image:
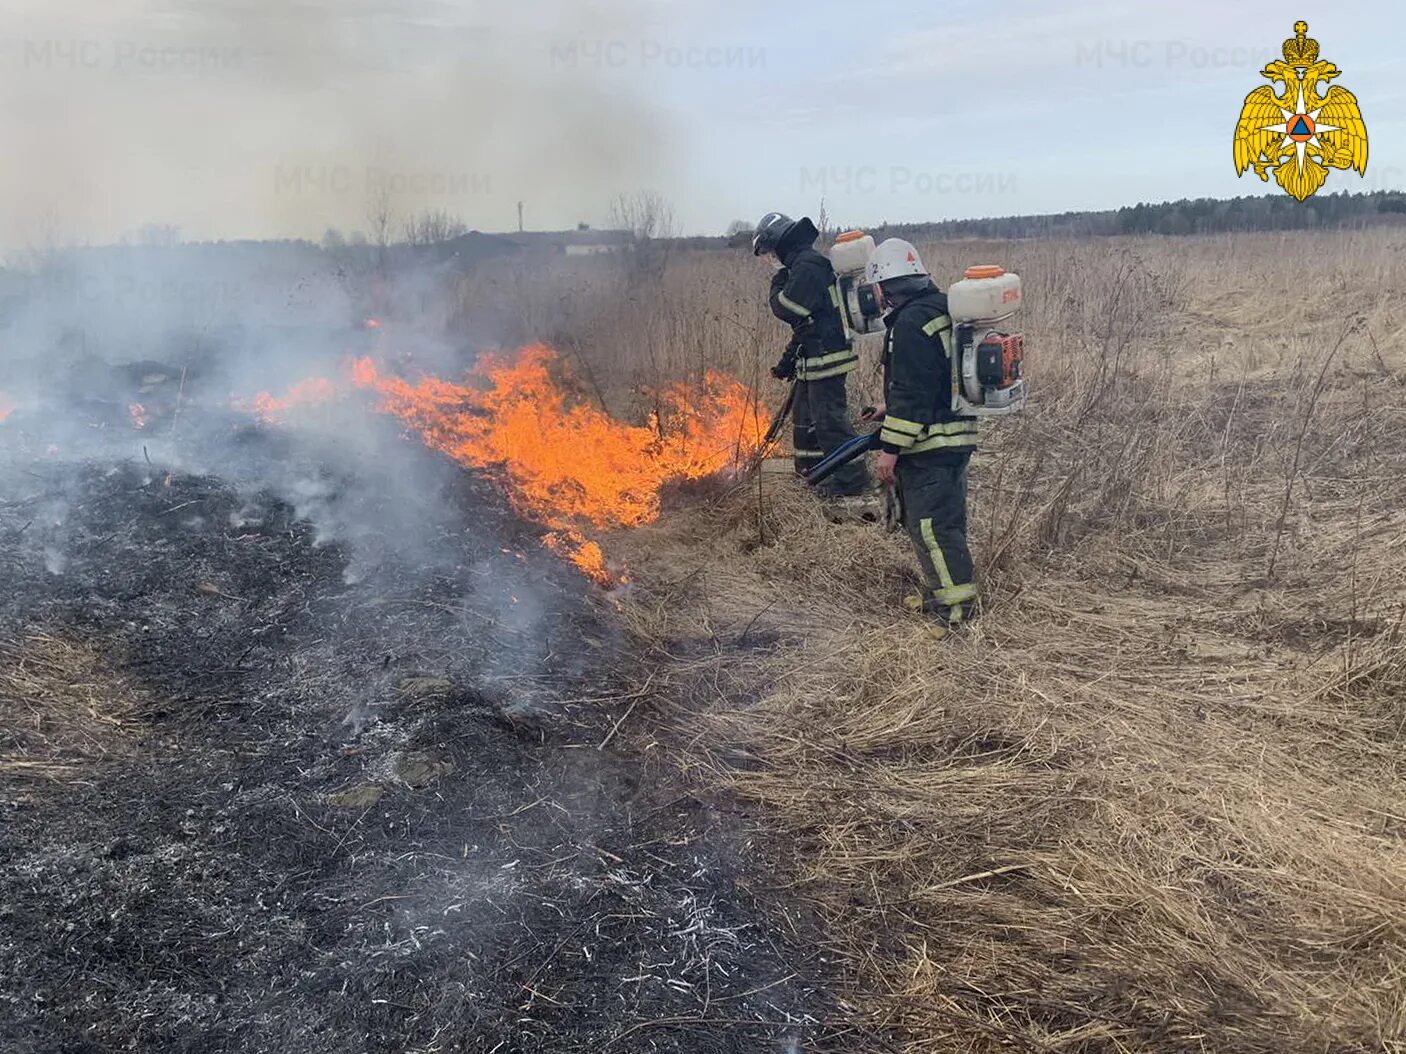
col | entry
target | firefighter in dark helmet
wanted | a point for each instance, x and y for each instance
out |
(925, 447)
(819, 356)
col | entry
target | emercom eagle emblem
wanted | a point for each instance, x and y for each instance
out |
(1300, 133)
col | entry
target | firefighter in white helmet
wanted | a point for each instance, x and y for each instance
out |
(925, 446)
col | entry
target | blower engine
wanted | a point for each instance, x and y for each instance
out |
(859, 301)
(987, 376)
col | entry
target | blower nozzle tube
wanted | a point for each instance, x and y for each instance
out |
(841, 456)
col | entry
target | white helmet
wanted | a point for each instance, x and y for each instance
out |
(894, 258)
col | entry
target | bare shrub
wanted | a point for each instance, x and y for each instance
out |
(433, 226)
(649, 220)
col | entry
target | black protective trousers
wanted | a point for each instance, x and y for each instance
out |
(821, 423)
(933, 490)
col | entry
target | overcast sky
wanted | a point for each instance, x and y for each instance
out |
(265, 118)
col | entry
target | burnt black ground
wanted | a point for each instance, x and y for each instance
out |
(229, 880)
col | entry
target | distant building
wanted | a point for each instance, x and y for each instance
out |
(473, 247)
(572, 243)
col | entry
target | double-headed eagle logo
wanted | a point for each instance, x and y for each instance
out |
(1299, 134)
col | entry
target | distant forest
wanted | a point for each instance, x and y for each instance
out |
(1272, 212)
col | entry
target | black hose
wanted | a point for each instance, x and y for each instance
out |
(774, 432)
(842, 455)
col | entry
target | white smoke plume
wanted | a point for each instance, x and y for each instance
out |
(142, 132)
(277, 118)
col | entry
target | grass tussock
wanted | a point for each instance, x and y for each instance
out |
(61, 708)
(1154, 800)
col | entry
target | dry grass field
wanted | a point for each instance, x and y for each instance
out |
(424, 787)
(1156, 799)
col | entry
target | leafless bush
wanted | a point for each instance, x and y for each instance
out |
(380, 220)
(649, 220)
(433, 226)
(645, 215)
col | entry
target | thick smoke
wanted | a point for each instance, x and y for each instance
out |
(146, 120)
(271, 118)
(149, 356)
(144, 362)
(147, 123)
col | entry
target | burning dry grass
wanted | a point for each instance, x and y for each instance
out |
(61, 708)
(565, 463)
(572, 466)
(1155, 801)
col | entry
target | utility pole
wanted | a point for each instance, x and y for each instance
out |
(519, 217)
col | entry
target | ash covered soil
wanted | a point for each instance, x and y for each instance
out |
(266, 791)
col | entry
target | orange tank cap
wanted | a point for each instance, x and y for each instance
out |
(849, 236)
(984, 271)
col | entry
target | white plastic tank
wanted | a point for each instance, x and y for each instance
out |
(851, 251)
(984, 294)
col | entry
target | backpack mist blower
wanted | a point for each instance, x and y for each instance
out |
(987, 374)
(986, 363)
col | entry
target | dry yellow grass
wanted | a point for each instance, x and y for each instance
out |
(62, 709)
(1155, 800)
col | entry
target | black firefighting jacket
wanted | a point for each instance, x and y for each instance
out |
(918, 381)
(805, 295)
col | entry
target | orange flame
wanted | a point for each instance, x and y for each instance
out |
(570, 467)
(138, 414)
(269, 408)
(6, 407)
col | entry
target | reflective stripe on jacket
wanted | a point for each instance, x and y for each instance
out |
(918, 381)
(805, 295)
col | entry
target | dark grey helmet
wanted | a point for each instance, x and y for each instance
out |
(771, 228)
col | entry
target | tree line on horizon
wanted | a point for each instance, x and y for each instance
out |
(648, 220)
(1271, 212)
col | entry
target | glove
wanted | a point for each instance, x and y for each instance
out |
(785, 367)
